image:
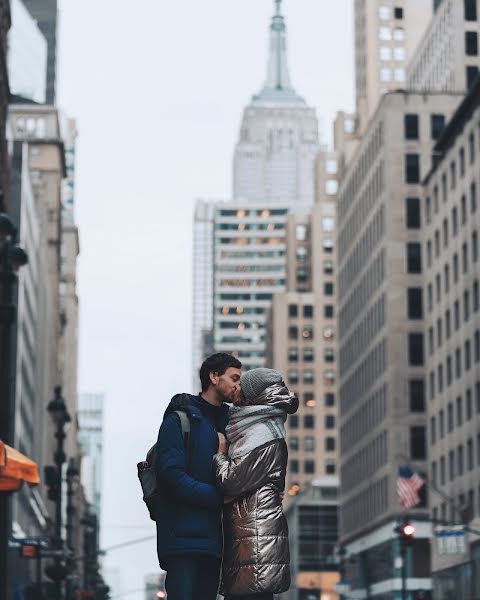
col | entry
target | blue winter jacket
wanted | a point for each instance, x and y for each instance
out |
(188, 509)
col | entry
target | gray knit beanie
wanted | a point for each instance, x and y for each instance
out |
(255, 381)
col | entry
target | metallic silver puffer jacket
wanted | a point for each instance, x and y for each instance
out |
(256, 552)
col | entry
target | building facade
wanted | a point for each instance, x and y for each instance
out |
(451, 227)
(386, 35)
(275, 155)
(5, 22)
(27, 55)
(447, 57)
(382, 371)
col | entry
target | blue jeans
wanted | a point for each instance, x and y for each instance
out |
(192, 577)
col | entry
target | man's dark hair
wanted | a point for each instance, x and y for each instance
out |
(217, 363)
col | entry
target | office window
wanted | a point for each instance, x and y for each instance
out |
(445, 232)
(471, 43)
(462, 162)
(309, 444)
(465, 257)
(293, 421)
(449, 370)
(329, 355)
(398, 12)
(441, 424)
(453, 175)
(471, 75)
(459, 407)
(455, 267)
(399, 34)
(433, 431)
(308, 355)
(328, 246)
(309, 466)
(415, 303)
(470, 10)
(471, 148)
(466, 305)
(292, 376)
(308, 311)
(307, 333)
(293, 354)
(385, 75)
(385, 53)
(329, 422)
(308, 421)
(413, 213)
(476, 296)
(446, 275)
(309, 399)
(330, 444)
(454, 221)
(328, 311)
(292, 310)
(328, 333)
(442, 471)
(329, 399)
(329, 377)
(415, 349)
(308, 376)
(411, 127)
(399, 53)
(428, 209)
(437, 123)
(417, 395)
(451, 465)
(418, 450)
(460, 460)
(458, 363)
(328, 289)
(470, 454)
(414, 257)
(448, 324)
(412, 168)
(456, 314)
(328, 267)
(468, 404)
(463, 205)
(293, 443)
(473, 198)
(429, 253)
(330, 467)
(292, 332)
(384, 13)
(293, 465)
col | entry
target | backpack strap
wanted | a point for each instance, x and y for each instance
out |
(185, 424)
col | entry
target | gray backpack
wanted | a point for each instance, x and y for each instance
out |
(146, 468)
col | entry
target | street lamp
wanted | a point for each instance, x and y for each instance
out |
(53, 476)
(12, 257)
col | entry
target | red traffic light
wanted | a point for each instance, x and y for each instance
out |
(408, 530)
(29, 551)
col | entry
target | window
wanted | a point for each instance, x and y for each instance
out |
(328, 246)
(471, 147)
(329, 399)
(454, 221)
(309, 399)
(399, 75)
(328, 224)
(302, 254)
(330, 467)
(411, 127)
(471, 43)
(308, 421)
(308, 376)
(468, 404)
(308, 355)
(399, 53)
(292, 332)
(453, 175)
(437, 123)
(292, 310)
(328, 333)
(455, 267)
(293, 355)
(307, 333)
(329, 422)
(471, 75)
(456, 314)
(292, 376)
(309, 466)
(415, 303)
(451, 465)
(433, 431)
(385, 34)
(465, 257)
(293, 443)
(330, 444)
(398, 12)
(385, 53)
(328, 267)
(415, 349)
(413, 213)
(470, 10)
(412, 168)
(460, 461)
(301, 233)
(328, 311)
(428, 210)
(385, 75)
(448, 324)
(329, 355)
(462, 162)
(329, 377)
(414, 257)
(459, 411)
(418, 450)
(328, 289)
(293, 421)
(309, 444)
(398, 34)
(441, 424)
(445, 233)
(429, 253)
(384, 13)
(473, 198)
(464, 210)
(417, 395)
(308, 311)
(293, 466)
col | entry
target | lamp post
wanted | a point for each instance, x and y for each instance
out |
(53, 475)
(12, 257)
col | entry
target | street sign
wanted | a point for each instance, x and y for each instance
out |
(450, 540)
(38, 541)
(342, 588)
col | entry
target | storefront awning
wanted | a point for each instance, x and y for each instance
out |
(15, 468)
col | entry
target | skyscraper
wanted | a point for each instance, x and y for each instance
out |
(275, 155)
(45, 12)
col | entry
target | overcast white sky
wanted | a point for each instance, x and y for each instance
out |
(158, 88)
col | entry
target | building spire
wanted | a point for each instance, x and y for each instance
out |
(278, 86)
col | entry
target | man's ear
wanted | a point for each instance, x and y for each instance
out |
(213, 377)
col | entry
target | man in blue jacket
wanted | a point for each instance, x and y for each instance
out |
(189, 507)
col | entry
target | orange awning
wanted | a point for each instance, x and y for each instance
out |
(15, 468)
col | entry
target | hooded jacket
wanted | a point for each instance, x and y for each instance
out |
(188, 508)
(256, 556)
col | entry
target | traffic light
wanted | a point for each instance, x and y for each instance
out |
(52, 483)
(406, 532)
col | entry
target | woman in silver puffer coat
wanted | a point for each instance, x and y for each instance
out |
(256, 561)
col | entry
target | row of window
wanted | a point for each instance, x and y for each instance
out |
(308, 355)
(458, 461)
(310, 401)
(306, 332)
(459, 412)
(453, 366)
(412, 126)
(308, 376)
(309, 421)
(309, 467)
(454, 213)
(309, 444)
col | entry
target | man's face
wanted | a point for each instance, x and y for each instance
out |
(226, 384)
(238, 397)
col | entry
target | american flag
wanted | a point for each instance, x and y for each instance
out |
(409, 484)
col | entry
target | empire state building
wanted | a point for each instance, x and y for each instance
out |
(275, 155)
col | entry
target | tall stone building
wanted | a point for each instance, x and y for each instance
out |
(447, 58)
(45, 12)
(386, 35)
(450, 228)
(5, 23)
(275, 155)
(382, 357)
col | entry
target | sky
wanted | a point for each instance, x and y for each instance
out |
(158, 90)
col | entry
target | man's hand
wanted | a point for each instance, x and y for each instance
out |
(222, 444)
